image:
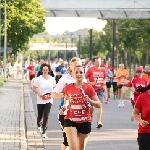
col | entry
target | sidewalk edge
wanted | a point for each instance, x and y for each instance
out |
(23, 144)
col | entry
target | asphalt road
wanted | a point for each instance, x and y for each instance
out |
(118, 132)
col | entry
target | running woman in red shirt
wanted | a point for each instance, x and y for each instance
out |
(141, 114)
(135, 82)
(32, 73)
(80, 96)
(96, 77)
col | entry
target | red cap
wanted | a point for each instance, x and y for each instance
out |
(138, 69)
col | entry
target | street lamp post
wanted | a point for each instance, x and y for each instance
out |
(113, 40)
(79, 44)
(91, 46)
(5, 40)
(49, 56)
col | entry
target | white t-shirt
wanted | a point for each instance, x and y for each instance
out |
(44, 86)
(54, 66)
(64, 80)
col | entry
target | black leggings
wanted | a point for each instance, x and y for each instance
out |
(114, 86)
(61, 122)
(43, 114)
(144, 141)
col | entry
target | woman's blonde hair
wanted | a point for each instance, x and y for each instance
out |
(74, 59)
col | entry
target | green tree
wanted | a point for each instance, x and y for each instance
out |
(24, 19)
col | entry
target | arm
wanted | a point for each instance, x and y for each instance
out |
(58, 90)
(63, 108)
(111, 74)
(129, 85)
(118, 75)
(91, 83)
(57, 95)
(35, 89)
(137, 117)
(94, 101)
(130, 88)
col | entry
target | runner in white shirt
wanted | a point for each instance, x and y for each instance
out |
(54, 65)
(43, 87)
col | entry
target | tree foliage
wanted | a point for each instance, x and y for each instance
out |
(131, 42)
(24, 19)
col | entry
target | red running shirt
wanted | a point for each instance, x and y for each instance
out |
(96, 75)
(143, 105)
(135, 82)
(78, 109)
(31, 70)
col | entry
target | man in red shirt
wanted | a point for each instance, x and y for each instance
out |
(135, 82)
(96, 77)
(141, 114)
(32, 73)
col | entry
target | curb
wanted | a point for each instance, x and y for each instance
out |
(23, 144)
(33, 136)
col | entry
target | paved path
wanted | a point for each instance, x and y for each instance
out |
(118, 132)
(12, 133)
(18, 129)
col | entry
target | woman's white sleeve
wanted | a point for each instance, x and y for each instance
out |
(59, 86)
(35, 83)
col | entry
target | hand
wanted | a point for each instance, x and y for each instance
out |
(86, 98)
(143, 123)
(61, 112)
(135, 91)
(120, 76)
(138, 89)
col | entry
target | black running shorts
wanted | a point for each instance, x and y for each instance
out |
(144, 141)
(83, 128)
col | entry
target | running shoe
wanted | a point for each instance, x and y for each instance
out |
(119, 103)
(44, 136)
(40, 129)
(99, 125)
(116, 97)
(106, 102)
(122, 104)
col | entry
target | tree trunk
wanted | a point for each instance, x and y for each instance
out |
(125, 59)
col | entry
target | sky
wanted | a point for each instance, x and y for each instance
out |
(58, 25)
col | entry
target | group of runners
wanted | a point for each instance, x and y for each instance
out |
(81, 88)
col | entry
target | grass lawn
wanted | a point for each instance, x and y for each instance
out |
(1, 81)
(127, 91)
